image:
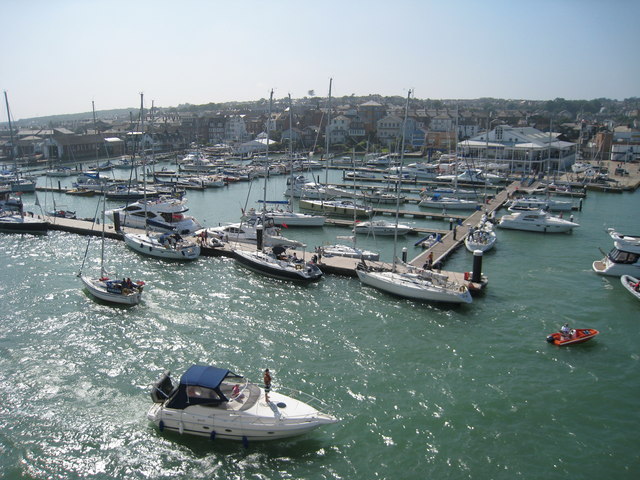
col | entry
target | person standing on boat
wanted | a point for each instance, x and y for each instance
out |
(267, 385)
(565, 330)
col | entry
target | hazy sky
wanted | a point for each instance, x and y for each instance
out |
(59, 55)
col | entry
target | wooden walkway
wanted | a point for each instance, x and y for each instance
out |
(455, 238)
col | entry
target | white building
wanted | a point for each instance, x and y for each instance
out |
(521, 149)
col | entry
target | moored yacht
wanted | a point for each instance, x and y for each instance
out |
(536, 221)
(164, 214)
(623, 259)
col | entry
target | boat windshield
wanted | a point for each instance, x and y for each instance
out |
(620, 256)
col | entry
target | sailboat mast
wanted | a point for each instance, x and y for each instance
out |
(6, 101)
(266, 161)
(404, 130)
(292, 180)
(144, 167)
(326, 135)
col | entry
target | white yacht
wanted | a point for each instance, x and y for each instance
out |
(448, 203)
(418, 170)
(168, 246)
(336, 207)
(114, 291)
(216, 403)
(163, 214)
(532, 203)
(623, 259)
(481, 237)
(247, 231)
(348, 251)
(286, 217)
(381, 227)
(536, 221)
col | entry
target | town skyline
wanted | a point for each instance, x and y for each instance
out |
(64, 55)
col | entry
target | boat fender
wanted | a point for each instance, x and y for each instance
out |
(245, 441)
(213, 435)
(181, 427)
(161, 425)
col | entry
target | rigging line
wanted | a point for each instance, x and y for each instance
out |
(86, 251)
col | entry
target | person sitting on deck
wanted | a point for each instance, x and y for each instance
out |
(636, 287)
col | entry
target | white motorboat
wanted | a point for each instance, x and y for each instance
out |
(631, 284)
(580, 167)
(248, 232)
(449, 192)
(536, 221)
(471, 175)
(381, 227)
(349, 251)
(278, 264)
(415, 284)
(114, 291)
(299, 187)
(217, 403)
(59, 172)
(481, 237)
(532, 203)
(168, 246)
(448, 203)
(418, 170)
(336, 207)
(163, 214)
(623, 259)
(287, 217)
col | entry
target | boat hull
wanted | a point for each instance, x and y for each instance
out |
(628, 283)
(232, 425)
(18, 224)
(274, 269)
(579, 335)
(98, 289)
(394, 284)
(150, 247)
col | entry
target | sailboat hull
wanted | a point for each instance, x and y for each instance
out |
(410, 286)
(151, 247)
(100, 290)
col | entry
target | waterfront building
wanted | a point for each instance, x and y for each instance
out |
(520, 149)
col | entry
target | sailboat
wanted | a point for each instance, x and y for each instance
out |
(123, 292)
(412, 282)
(276, 263)
(287, 217)
(324, 202)
(168, 245)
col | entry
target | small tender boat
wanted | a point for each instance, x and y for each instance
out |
(576, 335)
(632, 284)
(217, 403)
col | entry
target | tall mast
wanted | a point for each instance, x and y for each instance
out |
(95, 127)
(291, 152)
(144, 167)
(326, 134)
(6, 101)
(404, 129)
(266, 161)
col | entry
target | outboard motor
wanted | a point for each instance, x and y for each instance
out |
(550, 339)
(162, 389)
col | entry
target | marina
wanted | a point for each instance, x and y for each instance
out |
(465, 399)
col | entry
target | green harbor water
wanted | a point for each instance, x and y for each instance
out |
(422, 391)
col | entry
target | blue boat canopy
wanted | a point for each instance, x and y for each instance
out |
(204, 376)
(200, 384)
